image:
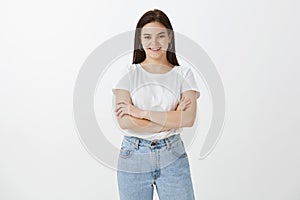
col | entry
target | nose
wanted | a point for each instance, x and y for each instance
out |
(154, 41)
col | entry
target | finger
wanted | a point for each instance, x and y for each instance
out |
(187, 99)
(184, 102)
(119, 112)
(123, 114)
(119, 107)
(188, 103)
(121, 102)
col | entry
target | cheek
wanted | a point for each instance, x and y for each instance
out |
(164, 42)
(145, 43)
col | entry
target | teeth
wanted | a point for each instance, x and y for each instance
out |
(155, 49)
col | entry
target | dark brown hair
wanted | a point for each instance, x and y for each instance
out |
(155, 15)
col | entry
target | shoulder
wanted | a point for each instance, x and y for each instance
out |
(184, 70)
(129, 70)
(132, 67)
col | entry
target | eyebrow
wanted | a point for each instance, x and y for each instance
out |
(150, 34)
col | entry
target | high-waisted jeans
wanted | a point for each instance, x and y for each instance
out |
(143, 163)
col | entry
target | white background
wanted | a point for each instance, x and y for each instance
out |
(254, 45)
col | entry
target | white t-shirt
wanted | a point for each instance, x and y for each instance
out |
(157, 92)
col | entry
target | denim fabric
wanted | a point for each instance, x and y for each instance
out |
(164, 163)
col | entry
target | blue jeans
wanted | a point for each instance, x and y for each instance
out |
(164, 163)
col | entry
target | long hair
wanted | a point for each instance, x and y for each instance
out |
(155, 15)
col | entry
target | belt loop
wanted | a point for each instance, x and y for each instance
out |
(136, 145)
(168, 144)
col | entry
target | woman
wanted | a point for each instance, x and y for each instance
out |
(154, 100)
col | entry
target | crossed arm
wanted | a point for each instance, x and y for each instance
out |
(133, 118)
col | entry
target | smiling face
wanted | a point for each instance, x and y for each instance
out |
(155, 41)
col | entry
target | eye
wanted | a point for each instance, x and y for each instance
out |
(147, 37)
(162, 36)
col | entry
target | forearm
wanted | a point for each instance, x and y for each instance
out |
(166, 119)
(171, 119)
(140, 125)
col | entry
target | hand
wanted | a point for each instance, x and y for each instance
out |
(183, 104)
(125, 108)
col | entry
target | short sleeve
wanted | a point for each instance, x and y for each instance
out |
(189, 83)
(123, 83)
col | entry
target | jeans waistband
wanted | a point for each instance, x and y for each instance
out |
(154, 143)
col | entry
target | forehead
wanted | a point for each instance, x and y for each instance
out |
(154, 28)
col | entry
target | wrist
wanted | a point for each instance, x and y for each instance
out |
(146, 114)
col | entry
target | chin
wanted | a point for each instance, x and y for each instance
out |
(158, 56)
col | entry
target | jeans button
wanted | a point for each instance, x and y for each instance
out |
(153, 143)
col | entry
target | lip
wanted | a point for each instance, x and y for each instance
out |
(158, 49)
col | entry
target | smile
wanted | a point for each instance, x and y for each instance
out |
(154, 49)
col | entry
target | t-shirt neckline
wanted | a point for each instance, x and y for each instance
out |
(155, 74)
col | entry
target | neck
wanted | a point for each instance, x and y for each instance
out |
(157, 62)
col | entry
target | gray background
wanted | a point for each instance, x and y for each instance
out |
(253, 44)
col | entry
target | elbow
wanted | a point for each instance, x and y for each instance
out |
(122, 126)
(188, 119)
(122, 123)
(190, 123)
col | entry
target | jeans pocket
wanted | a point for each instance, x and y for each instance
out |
(178, 150)
(127, 149)
(125, 152)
